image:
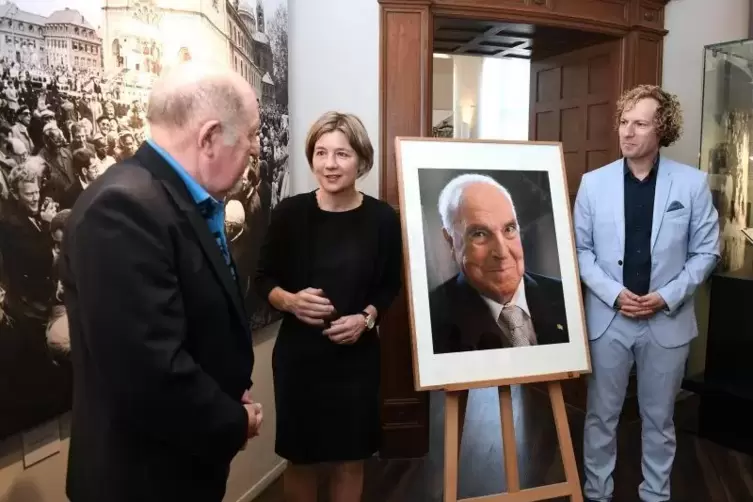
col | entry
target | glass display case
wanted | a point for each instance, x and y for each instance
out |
(726, 148)
(726, 406)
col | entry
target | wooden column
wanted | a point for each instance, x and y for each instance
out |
(405, 110)
(643, 44)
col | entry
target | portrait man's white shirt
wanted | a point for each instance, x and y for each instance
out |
(518, 299)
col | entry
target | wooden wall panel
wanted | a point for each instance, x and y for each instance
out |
(616, 11)
(402, 54)
(573, 99)
(648, 59)
(405, 104)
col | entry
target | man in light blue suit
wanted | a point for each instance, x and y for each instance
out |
(647, 235)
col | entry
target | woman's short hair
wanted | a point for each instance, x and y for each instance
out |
(353, 129)
(668, 114)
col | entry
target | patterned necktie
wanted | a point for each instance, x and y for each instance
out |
(520, 329)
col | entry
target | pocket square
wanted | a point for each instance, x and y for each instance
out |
(675, 205)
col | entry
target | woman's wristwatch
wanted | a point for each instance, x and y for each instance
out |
(369, 320)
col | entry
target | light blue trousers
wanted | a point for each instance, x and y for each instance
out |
(660, 371)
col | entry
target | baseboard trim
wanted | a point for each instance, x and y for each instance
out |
(264, 482)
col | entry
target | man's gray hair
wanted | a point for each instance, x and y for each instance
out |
(192, 93)
(451, 197)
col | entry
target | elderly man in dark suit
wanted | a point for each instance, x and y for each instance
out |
(160, 343)
(493, 302)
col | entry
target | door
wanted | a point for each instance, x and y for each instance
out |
(573, 98)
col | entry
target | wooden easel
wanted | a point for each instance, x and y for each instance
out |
(570, 487)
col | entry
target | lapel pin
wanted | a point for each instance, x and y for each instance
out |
(559, 327)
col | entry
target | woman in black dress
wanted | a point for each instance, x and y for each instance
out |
(331, 262)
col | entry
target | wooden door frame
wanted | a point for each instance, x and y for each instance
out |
(405, 81)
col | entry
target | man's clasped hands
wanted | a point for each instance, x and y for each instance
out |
(639, 307)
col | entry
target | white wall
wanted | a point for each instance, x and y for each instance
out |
(442, 89)
(334, 65)
(692, 24)
(466, 87)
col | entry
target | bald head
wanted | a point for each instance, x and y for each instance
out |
(207, 119)
(190, 94)
(481, 229)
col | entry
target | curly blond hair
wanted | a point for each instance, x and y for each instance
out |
(668, 118)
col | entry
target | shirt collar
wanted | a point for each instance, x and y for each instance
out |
(198, 193)
(654, 169)
(518, 299)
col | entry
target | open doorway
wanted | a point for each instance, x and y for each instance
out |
(512, 81)
(515, 81)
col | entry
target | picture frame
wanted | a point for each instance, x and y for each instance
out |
(472, 251)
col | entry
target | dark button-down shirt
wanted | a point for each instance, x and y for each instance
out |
(639, 215)
(210, 208)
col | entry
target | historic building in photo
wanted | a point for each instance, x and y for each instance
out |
(241, 29)
(63, 39)
(141, 37)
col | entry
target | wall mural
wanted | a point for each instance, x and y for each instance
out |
(77, 77)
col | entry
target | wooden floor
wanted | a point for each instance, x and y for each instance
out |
(703, 472)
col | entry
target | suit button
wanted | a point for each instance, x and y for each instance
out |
(619, 262)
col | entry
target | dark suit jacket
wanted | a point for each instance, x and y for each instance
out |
(460, 319)
(26, 249)
(70, 195)
(160, 344)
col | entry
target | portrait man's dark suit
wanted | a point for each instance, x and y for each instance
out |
(461, 320)
(160, 343)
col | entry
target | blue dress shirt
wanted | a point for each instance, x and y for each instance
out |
(210, 208)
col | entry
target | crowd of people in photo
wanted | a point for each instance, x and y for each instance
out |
(60, 129)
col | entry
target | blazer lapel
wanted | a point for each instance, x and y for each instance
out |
(661, 196)
(177, 190)
(215, 257)
(617, 200)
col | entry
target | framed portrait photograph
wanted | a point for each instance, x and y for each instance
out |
(491, 268)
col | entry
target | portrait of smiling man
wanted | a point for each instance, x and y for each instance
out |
(493, 301)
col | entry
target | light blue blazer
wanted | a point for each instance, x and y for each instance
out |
(684, 246)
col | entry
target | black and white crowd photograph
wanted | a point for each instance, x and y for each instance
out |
(75, 77)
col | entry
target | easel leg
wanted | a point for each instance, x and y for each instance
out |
(509, 446)
(462, 408)
(451, 445)
(565, 440)
(455, 407)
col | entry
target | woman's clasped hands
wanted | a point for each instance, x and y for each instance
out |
(312, 307)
